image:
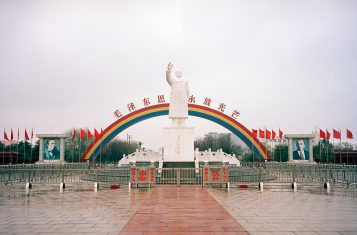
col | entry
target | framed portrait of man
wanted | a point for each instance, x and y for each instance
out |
(301, 148)
(51, 149)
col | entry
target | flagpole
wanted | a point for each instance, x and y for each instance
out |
(31, 146)
(320, 148)
(74, 145)
(79, 150)
(24, 150)
(280, 140)
(11, 151)
(266, 146)
(85, 144)
(3, 153)
(280, 150)
(253, 149)
(3, 150)
(327, 148)
(340, 147)
(252, 145)
(347, 149)
(347, 146)
(17, 146)
(271, 143)
(100, 147)
(333, 148)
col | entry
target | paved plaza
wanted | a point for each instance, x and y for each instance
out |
(173, 210)
(286, 212)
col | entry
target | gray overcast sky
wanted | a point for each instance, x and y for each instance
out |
(288, 64)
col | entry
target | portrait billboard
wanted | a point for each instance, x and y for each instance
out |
(51, 149)
(301, 148)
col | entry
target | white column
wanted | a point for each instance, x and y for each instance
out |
(41, 150)
(62, 150)
(290, 150)
(311, 156)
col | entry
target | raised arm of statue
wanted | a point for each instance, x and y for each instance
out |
(168, 73)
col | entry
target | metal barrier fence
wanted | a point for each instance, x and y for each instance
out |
(179, 176)
(60, 175)
(248, 173)
(299, 173)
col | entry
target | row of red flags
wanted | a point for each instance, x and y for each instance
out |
(323, 134)
(18, 135)
(82, 133)
(267, 134)
(336, 134)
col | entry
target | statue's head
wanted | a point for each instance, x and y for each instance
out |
(178, 73)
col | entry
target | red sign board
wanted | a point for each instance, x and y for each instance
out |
(205, 174)
(133, 175)
(152, 175)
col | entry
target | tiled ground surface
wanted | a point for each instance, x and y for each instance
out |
(286, 212)
(47, 211)
(182, 210)
(80, 210)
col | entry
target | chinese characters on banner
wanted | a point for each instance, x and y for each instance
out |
(215, 175)
(205, 175)
(133, 175)
(152, 175)
(191, 99)
(225, 174)
(142, 175)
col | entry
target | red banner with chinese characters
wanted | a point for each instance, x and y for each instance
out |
(152, 175)
(143, 176)
(205, 175)
(133, 175)
(215, 175)
(225, 174)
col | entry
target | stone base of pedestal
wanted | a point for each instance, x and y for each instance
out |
(178, 144)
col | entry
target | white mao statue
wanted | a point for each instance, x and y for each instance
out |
(178, 111)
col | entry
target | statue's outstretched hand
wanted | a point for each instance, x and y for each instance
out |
(169, 66)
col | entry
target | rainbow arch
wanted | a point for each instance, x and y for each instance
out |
(163, 109)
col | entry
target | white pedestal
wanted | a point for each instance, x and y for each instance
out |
(178, 144)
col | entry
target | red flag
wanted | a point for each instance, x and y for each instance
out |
(96, 134)
(89, 134)
(26, 135)
(261, 134)
(32, 133)
(349, 134)
(74, 134)
(280, 134)
(273, 134)
(101, 132)
(267, 134)
(328, 135)
(5, 136)
(82, 134)
(336, 134)
(12, 135)
(255, 133)
(322, 134)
